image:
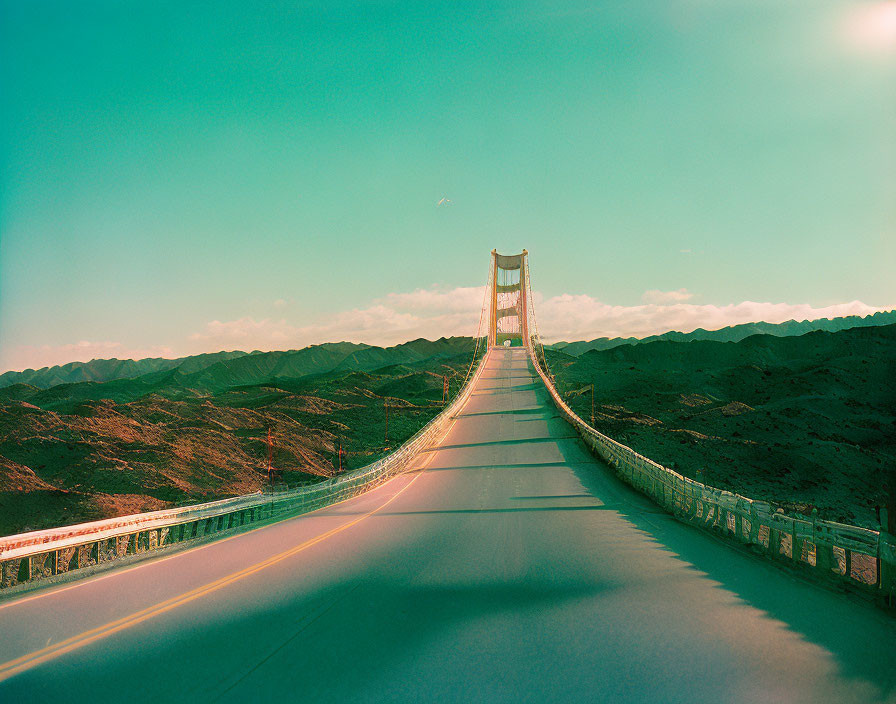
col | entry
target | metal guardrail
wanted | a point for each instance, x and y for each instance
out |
(26, 543)
(830, 551)
(41, 554)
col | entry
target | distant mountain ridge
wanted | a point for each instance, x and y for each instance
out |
(102, 370)
(733, 333)
(224, 369)
(107, 369)
(212, 373)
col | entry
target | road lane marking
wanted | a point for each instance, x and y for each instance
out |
(117, 572)
(181, 553)
(26, 662)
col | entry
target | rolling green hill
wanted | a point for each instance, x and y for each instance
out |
(81, 451)
(806, 421)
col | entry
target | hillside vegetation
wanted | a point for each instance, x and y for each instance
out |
(805, 421)
(197, 431)
(802, 420)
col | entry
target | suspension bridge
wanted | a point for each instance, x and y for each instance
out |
(509, 554)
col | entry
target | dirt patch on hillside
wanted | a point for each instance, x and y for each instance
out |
(66, 459)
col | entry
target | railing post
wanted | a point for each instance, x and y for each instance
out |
(886, 558)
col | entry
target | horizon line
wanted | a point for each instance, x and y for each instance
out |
(426, 339)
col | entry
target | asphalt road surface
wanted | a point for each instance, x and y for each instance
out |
(511, 567)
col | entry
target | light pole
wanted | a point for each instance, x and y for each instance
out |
(271, 469)
(579, 392)
(592, 404)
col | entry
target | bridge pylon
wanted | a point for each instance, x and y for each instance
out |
(508, 307)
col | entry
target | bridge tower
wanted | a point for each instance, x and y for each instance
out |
(508, 319)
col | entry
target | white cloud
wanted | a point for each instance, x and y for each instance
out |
(438, 300)
(244, 331)
(657, 296)
(279, 303)
(437, 312)
(397, 317)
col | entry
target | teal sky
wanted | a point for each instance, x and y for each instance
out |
(169, 164)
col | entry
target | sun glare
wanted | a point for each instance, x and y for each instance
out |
(872, 26)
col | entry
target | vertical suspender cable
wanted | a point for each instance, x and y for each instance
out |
(534, 325)
(485, 300)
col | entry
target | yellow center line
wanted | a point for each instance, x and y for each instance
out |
(188, 550)
(149, 561)
(25, 662)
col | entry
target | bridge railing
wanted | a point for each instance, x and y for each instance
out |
(47, 553)
(831, 551)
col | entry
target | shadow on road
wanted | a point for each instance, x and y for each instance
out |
(849, 630)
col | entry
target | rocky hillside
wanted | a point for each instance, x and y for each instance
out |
(81, 451)
(807, 421)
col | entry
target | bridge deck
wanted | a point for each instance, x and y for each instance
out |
(513, 568)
